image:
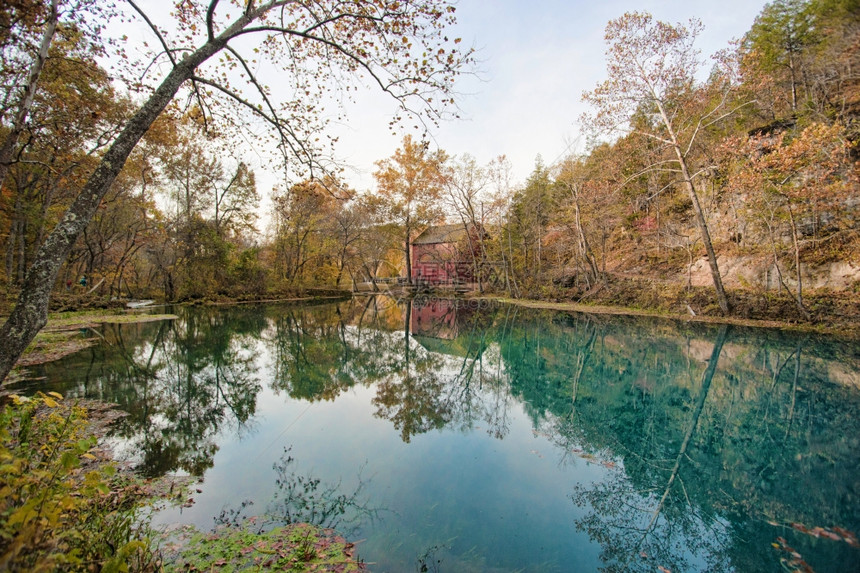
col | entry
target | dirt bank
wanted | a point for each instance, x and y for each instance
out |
(843, 320)
(67, 333)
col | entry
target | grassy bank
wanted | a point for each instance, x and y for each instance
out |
(74, 328)
(836, 313)
(70, 332)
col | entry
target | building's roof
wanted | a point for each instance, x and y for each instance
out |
(440, 234)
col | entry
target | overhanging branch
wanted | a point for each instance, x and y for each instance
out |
(288, 137)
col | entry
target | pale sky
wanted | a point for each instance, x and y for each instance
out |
(537, 57)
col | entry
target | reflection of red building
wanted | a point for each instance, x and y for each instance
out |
(434, 317)
(445, 254)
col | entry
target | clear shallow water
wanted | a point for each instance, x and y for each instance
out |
(496, 438)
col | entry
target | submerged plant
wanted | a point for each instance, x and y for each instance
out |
(297, 547)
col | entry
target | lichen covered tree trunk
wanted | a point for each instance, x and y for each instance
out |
(31, 310)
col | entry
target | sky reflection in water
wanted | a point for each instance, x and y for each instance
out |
(497, 438)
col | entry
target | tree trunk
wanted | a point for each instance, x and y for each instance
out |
(798, 300)
(706, 239)
(26, 102)
(407, 244)
(791, 69)
(22, 249)
(583, 240)
(31, 311)
(697, 208)
(16, 221)
(799, 296)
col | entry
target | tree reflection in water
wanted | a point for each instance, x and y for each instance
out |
(182, 382)
(208, 381)
(712, 443)
(422, 382)
(631, 525)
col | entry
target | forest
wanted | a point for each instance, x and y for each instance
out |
(726, 187)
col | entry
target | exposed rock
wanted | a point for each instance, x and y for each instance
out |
(758, 271)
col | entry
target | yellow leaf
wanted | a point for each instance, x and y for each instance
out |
(88, 456)
(56, 395)
(50, 403)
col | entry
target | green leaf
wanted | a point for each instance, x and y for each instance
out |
(69, 460)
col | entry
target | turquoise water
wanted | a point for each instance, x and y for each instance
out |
(458, 436)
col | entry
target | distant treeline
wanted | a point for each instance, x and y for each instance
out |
(684, 178)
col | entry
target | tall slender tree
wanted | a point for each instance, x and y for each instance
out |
(652, 69)
(28, 91)
(775, 46)
(411, 181)
(467, 194)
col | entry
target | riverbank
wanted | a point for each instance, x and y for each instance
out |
(829, 312)
(72, 326)
(848, 329)
(70, 332)
(836, 314)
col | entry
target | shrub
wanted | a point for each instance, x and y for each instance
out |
(61, 508)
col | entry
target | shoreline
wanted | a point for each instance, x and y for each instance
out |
(849, 334)
(54, 341)
(57, 339)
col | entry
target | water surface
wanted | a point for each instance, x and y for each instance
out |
(476, 437)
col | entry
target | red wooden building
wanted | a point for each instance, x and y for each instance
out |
(445, 254)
